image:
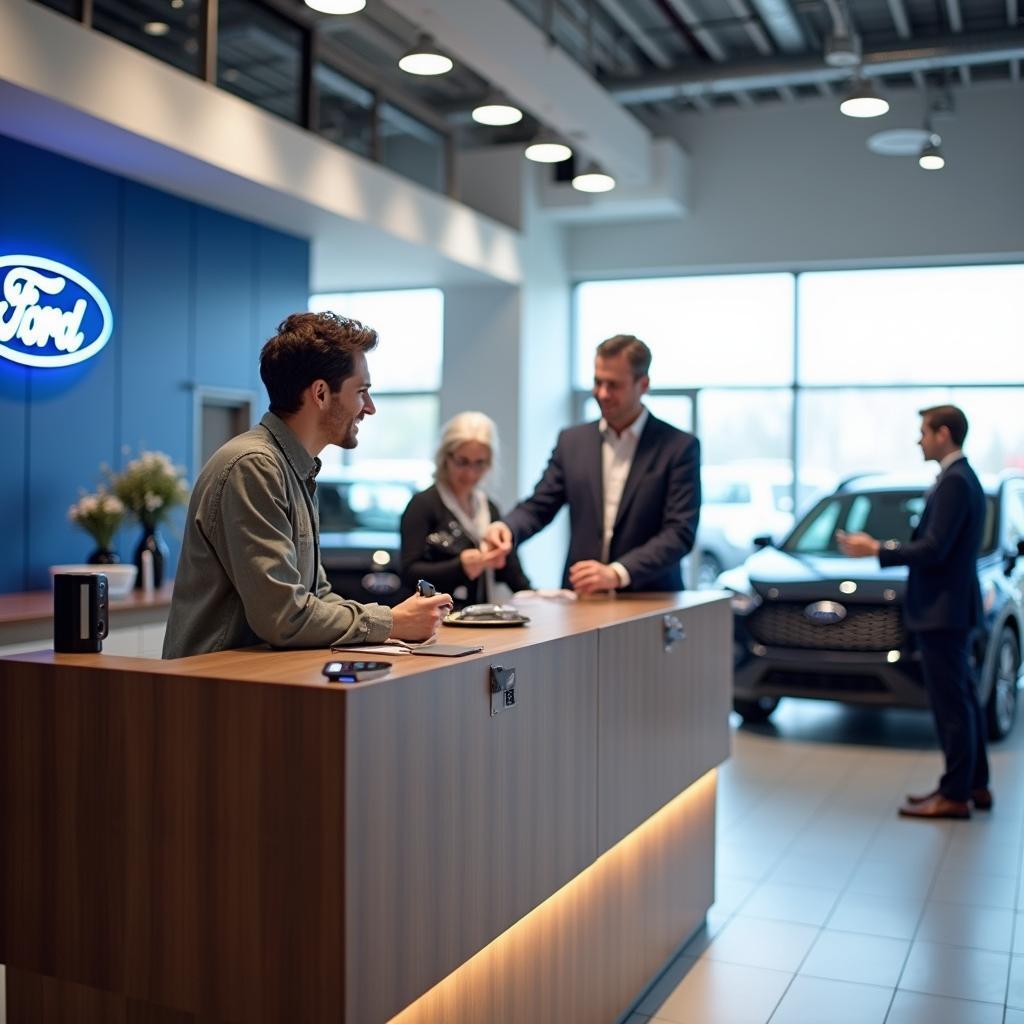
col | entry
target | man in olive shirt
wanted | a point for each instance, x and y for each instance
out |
(250, 569)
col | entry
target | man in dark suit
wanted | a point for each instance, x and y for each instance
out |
(631, 481)
(943, 607)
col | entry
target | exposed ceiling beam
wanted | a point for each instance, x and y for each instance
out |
(898, 13)
(956, 23)
(578, 22)
(617, 11)
(1012, 15)
(949, 52)
(752, 26)
(685, 12)
(956, 18)
(782, 24)
(899, 18)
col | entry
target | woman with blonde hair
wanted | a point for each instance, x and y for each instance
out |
(442, 526)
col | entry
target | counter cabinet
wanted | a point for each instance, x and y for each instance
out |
(231, 838)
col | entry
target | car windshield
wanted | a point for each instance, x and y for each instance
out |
(884, 514)
(359, 505)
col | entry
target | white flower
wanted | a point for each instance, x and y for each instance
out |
(153, 501)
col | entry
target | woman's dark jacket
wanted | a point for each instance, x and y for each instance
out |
(431, 541)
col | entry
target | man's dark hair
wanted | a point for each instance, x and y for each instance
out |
(947, 416)
(638, 354)
(309, 347)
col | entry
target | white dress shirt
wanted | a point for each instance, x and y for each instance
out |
(617, 451)
(953, 456)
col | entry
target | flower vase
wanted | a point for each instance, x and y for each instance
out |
(103, 556)
(153, 543)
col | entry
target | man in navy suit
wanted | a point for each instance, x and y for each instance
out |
(631, 481)
(943, 607)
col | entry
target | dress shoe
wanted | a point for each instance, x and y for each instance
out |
(936, 806)
(981, 798)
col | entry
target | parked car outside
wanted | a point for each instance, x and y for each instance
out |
(810, 622)
(741, 501)
(361, 509)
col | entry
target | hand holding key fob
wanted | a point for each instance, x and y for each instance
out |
(426, 589)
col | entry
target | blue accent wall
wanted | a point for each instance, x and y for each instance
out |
(194, 293)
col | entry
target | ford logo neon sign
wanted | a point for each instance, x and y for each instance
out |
(50, 314)
(825, 613)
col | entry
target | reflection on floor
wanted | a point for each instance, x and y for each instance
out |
(831, 910)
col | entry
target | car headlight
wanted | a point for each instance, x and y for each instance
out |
(742, 596)
(743, 604)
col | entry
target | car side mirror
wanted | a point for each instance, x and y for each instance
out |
(763, 541)
(1010, 558)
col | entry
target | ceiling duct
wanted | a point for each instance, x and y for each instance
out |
(949, 52)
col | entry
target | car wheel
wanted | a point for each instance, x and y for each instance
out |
(1001, 708)
(708, 571)
(758, 710)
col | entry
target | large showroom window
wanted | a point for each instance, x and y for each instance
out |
(821, 371)
(394, 458)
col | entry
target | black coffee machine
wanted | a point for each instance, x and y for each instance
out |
(80, 612)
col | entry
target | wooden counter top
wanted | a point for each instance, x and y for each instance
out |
(549, 620)
(36, 605)
(28, 618)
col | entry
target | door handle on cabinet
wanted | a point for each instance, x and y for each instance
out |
(673, 631)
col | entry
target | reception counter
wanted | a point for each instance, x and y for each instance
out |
(231, 838)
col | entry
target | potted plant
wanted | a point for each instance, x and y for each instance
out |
(149, 486)
(100, 515)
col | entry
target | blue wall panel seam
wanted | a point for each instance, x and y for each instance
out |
(118, 338)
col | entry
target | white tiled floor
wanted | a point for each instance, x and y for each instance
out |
(830, 909)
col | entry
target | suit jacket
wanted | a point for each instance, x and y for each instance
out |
(657, 517)
(942, 586)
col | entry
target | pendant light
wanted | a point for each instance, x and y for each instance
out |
(546, 149)
(863, 101)
(593, 179)
(497, 112)
(426, 58)
(336, 6)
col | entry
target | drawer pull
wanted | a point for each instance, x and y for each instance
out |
(674, 631)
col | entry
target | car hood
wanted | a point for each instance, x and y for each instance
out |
(799, 577)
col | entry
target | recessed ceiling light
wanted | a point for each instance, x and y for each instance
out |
(426, 58)
(177, 4)
(156, 28)
(497, 114)
(336, 6)
(547, 150)
(863, 101)
(593, 179)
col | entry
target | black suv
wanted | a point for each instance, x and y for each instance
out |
(810, 622)
(359, 538)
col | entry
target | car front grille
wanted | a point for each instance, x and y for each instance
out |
(827, 682)
(866, 628)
